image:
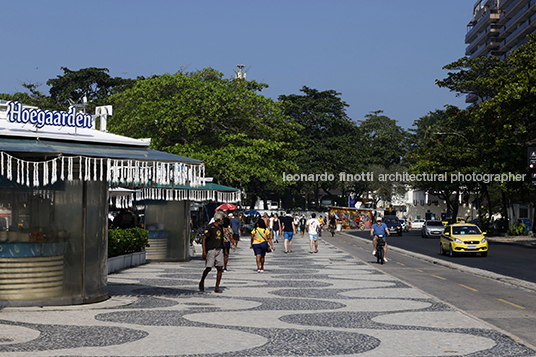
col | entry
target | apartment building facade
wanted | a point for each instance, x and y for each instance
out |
(498, 27)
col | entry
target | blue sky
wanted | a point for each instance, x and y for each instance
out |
(379, 54)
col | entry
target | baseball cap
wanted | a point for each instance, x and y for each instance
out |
(231, 215)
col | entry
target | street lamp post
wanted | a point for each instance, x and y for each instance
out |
(462, 136)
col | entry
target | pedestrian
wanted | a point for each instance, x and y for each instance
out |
(333, 224)
(303, 222)
(236, 226)
(289, 228)
(358, 222)
(313, 226)
(213, 251)
(266, 219)
(321, 221)
(227, 242)
(275, 228)
(260, 241)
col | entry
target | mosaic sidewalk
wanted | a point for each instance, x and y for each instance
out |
(324, 304)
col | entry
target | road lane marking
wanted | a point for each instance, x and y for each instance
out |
(400, 263)
(510, 303)
(422, 271)
(439, 277)
(467, 287)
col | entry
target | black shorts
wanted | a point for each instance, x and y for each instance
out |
(236, 237)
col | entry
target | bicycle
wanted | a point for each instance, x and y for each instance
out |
(332, 229)
(380, 243)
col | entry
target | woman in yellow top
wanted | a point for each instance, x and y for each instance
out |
(260, 238)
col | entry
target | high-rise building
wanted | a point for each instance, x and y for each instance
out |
(497, 27)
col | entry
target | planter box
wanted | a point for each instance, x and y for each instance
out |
(126, 261)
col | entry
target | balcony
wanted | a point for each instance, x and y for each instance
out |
(486, 48)
(511, 10)
(471, 98)
(511, 40)
(491, 32)
(490, 18)
(479, 38)
(520, 16)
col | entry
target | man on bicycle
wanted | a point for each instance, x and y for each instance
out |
(377, 229)
(332, 224)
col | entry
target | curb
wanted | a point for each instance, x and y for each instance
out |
(512, 239)
(475, 271)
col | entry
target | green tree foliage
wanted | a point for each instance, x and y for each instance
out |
(387, 145)
(498, 129)
(384, 190)
(474, 76)
(243, 137)
(439, 148)
(387, 142)
(330, 141)
(33, 97)
(93, 82)
(426, 128)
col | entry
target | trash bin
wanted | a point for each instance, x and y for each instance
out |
(339, 227)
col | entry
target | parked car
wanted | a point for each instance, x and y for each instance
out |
(463, 238)
(432, 229)
(393, 224)
(405, 225)
(417, 224)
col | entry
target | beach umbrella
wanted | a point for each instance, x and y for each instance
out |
(226, 207)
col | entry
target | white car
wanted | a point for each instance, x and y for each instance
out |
(432, 228)
(417, 224)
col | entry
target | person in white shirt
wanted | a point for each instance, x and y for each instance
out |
(313, 226)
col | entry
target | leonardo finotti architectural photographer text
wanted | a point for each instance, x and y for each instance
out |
(406, 177)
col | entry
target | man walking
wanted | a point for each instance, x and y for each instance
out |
(236, 226)
(312, 227)
(213, 251)
(288, 231)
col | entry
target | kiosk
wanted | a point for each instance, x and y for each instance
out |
(167, 213)
(55, 173)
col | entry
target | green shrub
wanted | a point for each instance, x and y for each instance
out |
(518, 229)
(126, 241)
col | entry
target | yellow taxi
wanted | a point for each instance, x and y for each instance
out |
(463, 238)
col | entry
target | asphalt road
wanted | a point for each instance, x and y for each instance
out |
(511, 259)
(510, 308)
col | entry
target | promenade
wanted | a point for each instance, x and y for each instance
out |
(324, 304)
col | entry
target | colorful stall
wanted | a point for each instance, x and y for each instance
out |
(352, 218)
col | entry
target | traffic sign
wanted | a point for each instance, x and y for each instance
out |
(531, 157)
